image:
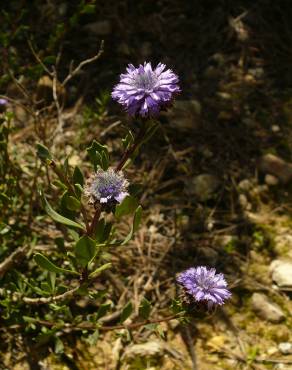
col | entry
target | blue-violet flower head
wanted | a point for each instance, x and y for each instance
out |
(3, 105)
(107, 186)
(145, 91)
(204, 285)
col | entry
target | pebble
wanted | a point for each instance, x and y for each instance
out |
(266, 309)
(285, 348)
(276, 166)
(203, 186)
(281, 271)
(271, 180)
(185, 114)
(147, 349)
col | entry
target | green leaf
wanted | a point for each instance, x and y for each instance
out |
(127, 310)
(50, 59)
(104, 160)
(137, 218)
(46, 264)
(85, 250)
(102, 310)
(128, 140)
(128, 206)
(152, 326)
(4, 229)
(99, 230)
(78, 176)
(60, 243)
(59, 346)
(93, 338)
(98, 155)
(52, 281)
(43, 153)
(99, 270)
(79, 190)
(66, 166)
(145, 309)
(4, 198)
(88, 9)
(59, 184)
(135, 225)
(153, 126)
(72, 203)
(57, 217)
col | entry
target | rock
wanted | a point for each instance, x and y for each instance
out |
(272, 350)
(285, 348)
(281, 271)
(203, 186)
(245, 185)
(283, 367)
(273, 165)
(266, 309)
(149, 349)
(224, 95)
(217, 342)
(271, 180)
(242, 200)
(100, 28)
(275, 128)
(185, 114)
(283, 243)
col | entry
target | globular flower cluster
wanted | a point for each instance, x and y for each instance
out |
(145, 91)
(107, 186)
(203, 285)
(3, 105)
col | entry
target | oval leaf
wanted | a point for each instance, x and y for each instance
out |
(127, 310)
(128, 206)
(46, 264)
(135, 225)
(85, 250)
(57, 217)
(144, 309)
(99, 270)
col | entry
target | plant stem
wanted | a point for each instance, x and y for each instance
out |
(92, 227)
(128, 152)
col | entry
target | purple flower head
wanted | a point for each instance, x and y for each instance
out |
(144, 91)
(203, 285)
(106, 187)
(3, 105)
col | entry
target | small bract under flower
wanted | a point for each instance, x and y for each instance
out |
(106, 187)
(144, 91)
(203, 284)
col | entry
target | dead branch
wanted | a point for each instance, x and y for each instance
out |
(13, 259)
(44, 300)
(83, 63)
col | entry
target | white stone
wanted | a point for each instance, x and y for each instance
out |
(271, 180)
(281, 271)
(285, 348)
